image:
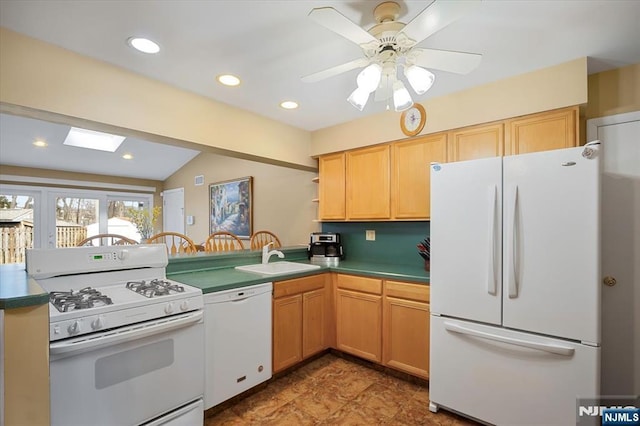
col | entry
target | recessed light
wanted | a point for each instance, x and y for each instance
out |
(40, 143)
(289, 104)
(228, 80)
(127, 157)
(143, 45)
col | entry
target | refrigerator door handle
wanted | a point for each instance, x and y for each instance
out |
(545, 347)
(492, 284)
(513, 280)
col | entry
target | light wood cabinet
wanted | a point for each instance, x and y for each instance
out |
(331, 189)
(406, 327)
(410, 192)
(471, 143)
(314, 322)
(359, 316)
(368, 183)
(24, 357)
(546, 131)
(300, 319)
(287, 331)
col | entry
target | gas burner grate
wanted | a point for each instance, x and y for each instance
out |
(153, 288)
(86, 298)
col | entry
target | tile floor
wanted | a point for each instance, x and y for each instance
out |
(332, 390)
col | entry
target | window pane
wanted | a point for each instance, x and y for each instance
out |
(16, 227)
(119, 217)
(76, 219)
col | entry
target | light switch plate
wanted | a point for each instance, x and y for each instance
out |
(370, 235)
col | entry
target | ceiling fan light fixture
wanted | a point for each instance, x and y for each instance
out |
(401, 97)
(419, 78)
(369, 78)
(358, 98)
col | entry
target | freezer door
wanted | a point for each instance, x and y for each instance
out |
(510, 378)
(465, 239)
(551, 244)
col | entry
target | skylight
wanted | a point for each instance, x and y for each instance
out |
(83, 138)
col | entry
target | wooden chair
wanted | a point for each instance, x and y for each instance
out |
(106, 240)
(261, 238)
(176, 242)
(223, 241)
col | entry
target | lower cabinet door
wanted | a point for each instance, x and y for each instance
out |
(406, 336)
(359, 324)
(287, 331)
(314, 322)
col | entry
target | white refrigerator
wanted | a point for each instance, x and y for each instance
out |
(515, 293)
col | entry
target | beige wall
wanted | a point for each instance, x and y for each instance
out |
(614, 92)
(281, 196)
(40, 77)
(29, 172)
(550, 88)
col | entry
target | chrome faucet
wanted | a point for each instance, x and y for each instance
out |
(266, 254)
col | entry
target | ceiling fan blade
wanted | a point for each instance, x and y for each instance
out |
(436, 16)
(331, 19)
(338, 69)
(446, 60)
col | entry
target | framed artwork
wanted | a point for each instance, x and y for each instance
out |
(231, 207)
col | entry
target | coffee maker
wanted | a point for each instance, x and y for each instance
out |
(325, 248)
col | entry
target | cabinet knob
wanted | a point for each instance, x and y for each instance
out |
(609, 281)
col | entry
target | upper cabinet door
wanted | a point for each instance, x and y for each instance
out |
(368, 183)
(332, 186)
(546, 131)
(472, 143)
(410, 179)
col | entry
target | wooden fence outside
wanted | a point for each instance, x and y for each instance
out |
(16, 239)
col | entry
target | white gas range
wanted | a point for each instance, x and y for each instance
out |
(120, 331)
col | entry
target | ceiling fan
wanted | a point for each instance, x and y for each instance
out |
(391, 44)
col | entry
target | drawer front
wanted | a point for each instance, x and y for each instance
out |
(365, 285)
(419, 292)
(298, 285)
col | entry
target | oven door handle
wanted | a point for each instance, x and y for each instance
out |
(126, 334)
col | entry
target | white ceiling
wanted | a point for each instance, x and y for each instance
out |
(151, 160)
(271, 44)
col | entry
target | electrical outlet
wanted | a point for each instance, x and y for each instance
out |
(370, 235)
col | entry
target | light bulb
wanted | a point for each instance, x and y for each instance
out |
(359, 98)
(369, 78)
(419, 78)
(401, 97)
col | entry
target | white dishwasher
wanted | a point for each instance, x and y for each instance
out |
(237, 341)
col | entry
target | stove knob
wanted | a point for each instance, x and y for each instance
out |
(97, 323)
(74, 328)
(184, 305)
(169, 308)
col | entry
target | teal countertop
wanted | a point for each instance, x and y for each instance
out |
(211, 273)
(17, 290)
(225, 278)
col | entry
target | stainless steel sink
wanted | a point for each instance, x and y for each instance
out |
(275, 268)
